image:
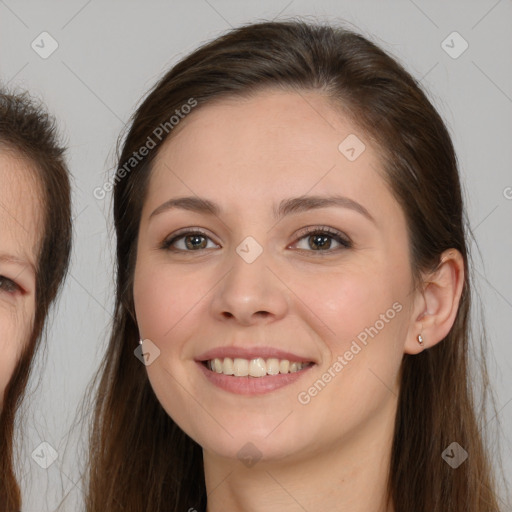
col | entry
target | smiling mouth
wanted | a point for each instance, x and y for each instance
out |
(258, 367)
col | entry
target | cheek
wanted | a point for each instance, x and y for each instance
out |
(163, 298)
(364, 314)
(365, 317)
(14, 334)
(348, 302)
(168, 308)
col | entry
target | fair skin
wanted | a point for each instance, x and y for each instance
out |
(333, 452)
(19, 238)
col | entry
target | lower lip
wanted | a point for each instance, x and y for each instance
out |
(252, 385)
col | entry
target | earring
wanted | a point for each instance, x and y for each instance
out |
(140, 341)
(420, 339)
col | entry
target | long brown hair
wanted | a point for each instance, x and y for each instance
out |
(140, 460)
(27, 130)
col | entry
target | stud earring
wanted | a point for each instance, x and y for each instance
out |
(420, 339)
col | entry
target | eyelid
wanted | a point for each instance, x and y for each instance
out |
(323, 229)
(168, 241)
(337, 235)
(11, 284)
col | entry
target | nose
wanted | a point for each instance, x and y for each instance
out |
(250, 293)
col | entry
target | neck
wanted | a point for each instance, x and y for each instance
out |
(352, 476)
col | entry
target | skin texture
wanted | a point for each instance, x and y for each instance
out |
(247, 156)
(19, 238)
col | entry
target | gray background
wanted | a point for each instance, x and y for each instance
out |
(111, 52)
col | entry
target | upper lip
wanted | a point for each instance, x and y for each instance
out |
(251, 353)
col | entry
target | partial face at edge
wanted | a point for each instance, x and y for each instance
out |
(20, 232)
(313, 296)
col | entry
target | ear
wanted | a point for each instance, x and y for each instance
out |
(436, 304)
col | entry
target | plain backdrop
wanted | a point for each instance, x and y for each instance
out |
(111, 52)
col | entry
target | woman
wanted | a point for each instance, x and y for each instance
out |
(291, 256)
(35, 228)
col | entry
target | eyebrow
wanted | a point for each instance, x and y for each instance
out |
(286, 206)
(8, 258)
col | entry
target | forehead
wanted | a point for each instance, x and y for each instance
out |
(269, 125)
(20, 208)
(269, 144)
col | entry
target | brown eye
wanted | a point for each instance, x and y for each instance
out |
(189, 241)
(8, 285)
(195, 242)
(322, 240)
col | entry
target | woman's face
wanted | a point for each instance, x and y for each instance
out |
(19, 236)
(304, 260)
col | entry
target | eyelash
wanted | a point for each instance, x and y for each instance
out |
(343, 240)
(8, 285)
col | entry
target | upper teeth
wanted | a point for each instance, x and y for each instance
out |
(255, 367)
